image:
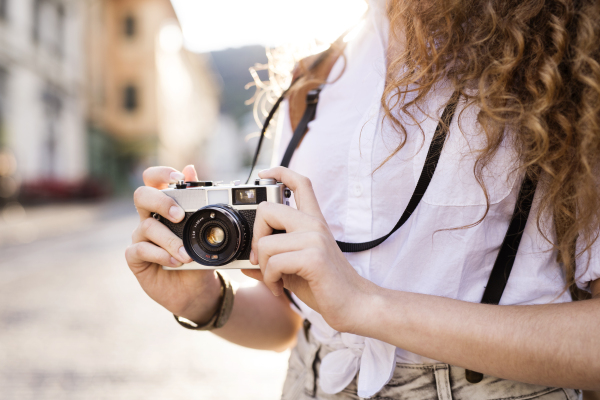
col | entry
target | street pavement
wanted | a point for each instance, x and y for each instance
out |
(74, 323)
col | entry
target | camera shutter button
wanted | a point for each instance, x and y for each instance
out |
(268, 181)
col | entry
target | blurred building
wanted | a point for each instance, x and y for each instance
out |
(149, 100)
(42, 77)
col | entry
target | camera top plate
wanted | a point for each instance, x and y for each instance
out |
(194, 196)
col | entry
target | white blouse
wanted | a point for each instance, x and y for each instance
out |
(346, 142)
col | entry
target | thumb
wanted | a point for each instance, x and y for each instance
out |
(190, 173)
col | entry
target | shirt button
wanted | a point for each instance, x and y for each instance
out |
(358, 189)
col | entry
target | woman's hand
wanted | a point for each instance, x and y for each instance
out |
(307, 259)
(191, 294)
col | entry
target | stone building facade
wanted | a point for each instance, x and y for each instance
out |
(42, 93)
(92, 91)
(149, 100)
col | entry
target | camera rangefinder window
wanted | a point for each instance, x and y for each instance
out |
(244, 196)
(218, 196)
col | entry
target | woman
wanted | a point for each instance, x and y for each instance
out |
(403, 320)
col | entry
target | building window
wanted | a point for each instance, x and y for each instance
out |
(49, 25)
(37, 19)
(3, 101)
(130, 98)
(3, 9)
(59, 42)
(129, 26)
(53, 106)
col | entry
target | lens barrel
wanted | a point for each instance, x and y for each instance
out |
(215, 235)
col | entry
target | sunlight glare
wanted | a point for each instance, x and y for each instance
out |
(215, 25)
(170, 38)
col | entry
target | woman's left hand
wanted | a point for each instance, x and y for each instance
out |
(306, 260)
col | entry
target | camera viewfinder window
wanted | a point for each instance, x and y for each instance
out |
(244, 196)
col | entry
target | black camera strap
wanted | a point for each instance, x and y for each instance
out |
(309, 114)
(263, 132)
(508, 250)
(431, 161)
(510, 245)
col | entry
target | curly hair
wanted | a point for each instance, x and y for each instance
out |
(533, 69)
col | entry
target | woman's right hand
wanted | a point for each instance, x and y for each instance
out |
(192, 294)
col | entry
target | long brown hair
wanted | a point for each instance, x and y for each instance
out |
(533, 69)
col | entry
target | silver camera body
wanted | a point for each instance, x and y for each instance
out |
(219, 220)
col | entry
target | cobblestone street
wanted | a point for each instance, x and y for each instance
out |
(74, 324)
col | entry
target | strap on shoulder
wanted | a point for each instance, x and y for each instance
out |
(306, 77)
(310, 73)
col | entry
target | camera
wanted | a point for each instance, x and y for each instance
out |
(219, 219)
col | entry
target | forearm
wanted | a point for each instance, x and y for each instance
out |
(555, 345)
(260, 320)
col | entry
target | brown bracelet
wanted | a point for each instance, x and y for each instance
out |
(221, 316)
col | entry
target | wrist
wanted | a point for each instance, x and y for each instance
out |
(368, 311)
(202, 308)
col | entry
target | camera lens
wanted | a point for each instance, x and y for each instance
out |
(212, 235)
(215, 235)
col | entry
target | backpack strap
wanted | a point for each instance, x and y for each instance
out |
(311, 73)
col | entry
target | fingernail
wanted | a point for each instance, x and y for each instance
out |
(184, 255)
(177, 176)
(175, 263)
(252, 256)
(176, 213)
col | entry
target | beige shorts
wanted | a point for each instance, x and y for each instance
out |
(410, 381)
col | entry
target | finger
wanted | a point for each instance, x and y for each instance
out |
(190, 173)
(300, 185)
(271, 216)
(269, 246)
(160, 177)
(149, 200)
(253, 273)
(292, 263)
(293, 283)
(153, 231)
(142, 253)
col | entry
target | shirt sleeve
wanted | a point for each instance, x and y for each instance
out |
(588, 266)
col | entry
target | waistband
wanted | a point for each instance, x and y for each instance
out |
(408, 381)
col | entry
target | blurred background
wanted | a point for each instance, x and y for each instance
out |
(92, 92)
